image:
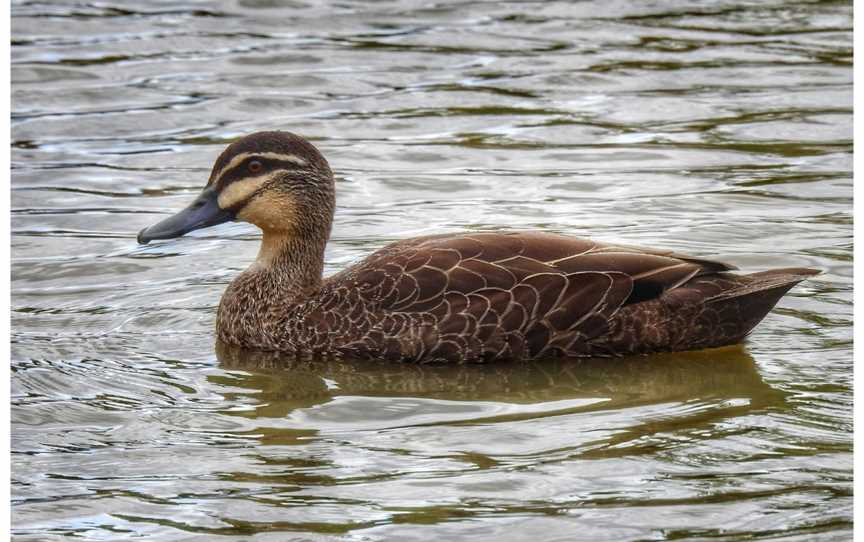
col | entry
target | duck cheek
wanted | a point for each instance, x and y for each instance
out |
(238, 192)
(269, 213)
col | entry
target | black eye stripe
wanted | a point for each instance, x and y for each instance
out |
(242, 171)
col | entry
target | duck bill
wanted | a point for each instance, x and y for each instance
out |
(202, 213)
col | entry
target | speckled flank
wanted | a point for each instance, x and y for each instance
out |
(486, 297)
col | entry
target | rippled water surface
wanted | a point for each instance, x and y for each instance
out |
(715, 128)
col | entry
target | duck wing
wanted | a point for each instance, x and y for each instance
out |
(515, 295)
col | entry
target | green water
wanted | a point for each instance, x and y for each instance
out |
(720, 129)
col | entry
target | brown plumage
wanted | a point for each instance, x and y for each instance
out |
(475, 297)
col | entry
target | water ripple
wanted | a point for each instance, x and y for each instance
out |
(719, 129)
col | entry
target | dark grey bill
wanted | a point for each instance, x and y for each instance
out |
(202, 213)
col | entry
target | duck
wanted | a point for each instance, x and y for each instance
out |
(451, 298)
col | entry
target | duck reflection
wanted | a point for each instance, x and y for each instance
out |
(283, 384)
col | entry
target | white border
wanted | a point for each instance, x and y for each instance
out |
(5, 257)
(857, 298)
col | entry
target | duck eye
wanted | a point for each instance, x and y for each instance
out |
(255, 166)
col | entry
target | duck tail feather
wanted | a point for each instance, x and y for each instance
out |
(767, 283)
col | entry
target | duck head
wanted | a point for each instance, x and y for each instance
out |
(277, 181)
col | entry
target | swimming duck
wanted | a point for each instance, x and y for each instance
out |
(467, 297)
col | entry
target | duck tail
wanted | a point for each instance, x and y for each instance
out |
(746, 304)
(766, 284)
(708, 311)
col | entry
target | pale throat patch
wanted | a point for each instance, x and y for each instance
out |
(271, 212)
(237, 160)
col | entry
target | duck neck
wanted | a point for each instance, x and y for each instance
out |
(289, 263)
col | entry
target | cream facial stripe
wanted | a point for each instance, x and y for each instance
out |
(237, 160)
(239, 191)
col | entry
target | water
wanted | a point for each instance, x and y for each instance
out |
(717, 128)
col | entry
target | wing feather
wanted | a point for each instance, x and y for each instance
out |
(494, 295)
